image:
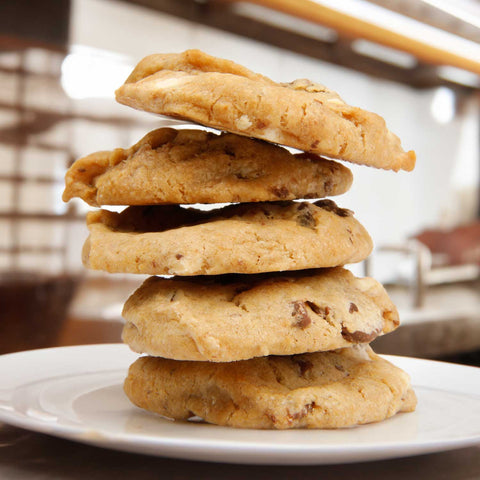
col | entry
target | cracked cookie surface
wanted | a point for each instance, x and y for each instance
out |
(243, 238)
(335, 389)
(171, 166)
(221, 94)
(237, 317)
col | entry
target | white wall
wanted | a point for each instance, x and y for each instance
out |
(391, 205)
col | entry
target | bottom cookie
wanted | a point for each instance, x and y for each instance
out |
(335, 389)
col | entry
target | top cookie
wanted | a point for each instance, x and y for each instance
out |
(301, 114)
(170, 166)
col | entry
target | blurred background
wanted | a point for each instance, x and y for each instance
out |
(415, 62)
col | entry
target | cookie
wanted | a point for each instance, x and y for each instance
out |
(221, 94)
(237, 317)
(243, 238)
(334, 389)
(170, 166)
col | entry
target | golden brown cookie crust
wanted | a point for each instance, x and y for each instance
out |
(171, 166)
(341, 388)
(221, 94)
(243, 238)
(237, 317)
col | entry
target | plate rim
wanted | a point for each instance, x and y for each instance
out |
(231, 447)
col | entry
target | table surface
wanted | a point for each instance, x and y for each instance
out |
(32, 456)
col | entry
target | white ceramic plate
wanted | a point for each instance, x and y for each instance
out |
(76, 393)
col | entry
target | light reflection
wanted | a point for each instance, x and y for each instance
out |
(93, 73)
(443, 105)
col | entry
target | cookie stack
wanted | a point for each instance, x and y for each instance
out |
(258, 325)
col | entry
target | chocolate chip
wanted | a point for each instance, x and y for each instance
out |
(241, 176)
(280, 192)
(328, 187)
(353, 308)
(304, 365)
(358, 336)
(303, 412)
(229, 151)
(301, 315)
(81, 170)
(331, 206)
(178, 256)
(340, 368)
(322, 311)
(314, 307)
(305, 217)
(314, 144)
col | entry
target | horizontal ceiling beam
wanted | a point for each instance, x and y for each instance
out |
(353, 27)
